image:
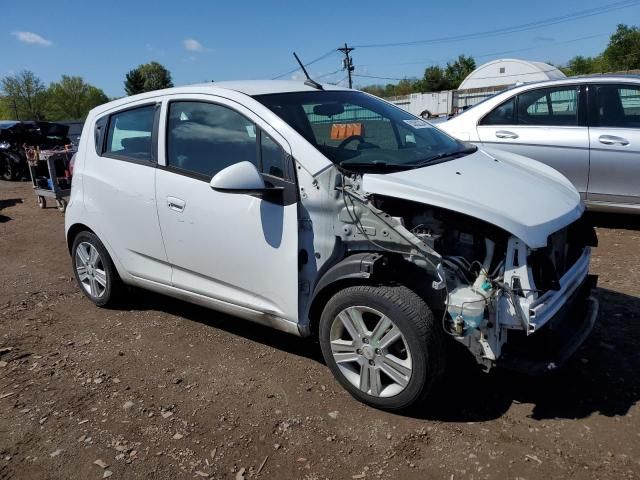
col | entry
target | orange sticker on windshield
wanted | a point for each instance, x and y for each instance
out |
(340, 131)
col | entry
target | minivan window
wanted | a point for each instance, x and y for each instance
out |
(204, 138)
(129, 134)
(617, 106)
(548, 106)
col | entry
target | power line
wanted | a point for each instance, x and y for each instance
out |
(494, 54)
(329, 74)
(379, 78)
(514, 29)
(321, 57)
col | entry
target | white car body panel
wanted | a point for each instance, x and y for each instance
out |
(122, 196)
(497, 189)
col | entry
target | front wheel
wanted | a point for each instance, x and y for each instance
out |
(383, 345)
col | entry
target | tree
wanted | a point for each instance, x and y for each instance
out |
(580, 65)
(72, 98)
(134, 82)
(147, 77)
(25, 96)
(434, 80)
(457, 71)
(623, 50)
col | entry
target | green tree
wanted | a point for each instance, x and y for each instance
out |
(71, 98)
(134, 82)
(457, 71)
(25, 96)
(147, 77)
(623, 50)
(580, 65)
(434, 80)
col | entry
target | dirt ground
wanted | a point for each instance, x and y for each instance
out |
(163, 389)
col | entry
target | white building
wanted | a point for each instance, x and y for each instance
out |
(509, 71)
(484, 81)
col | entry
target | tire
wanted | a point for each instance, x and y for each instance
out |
(99, 282)
(418, 356)
(8, 170)
(42, 202)
(61, 204)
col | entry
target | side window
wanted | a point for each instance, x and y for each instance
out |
(501, 115)
(271, 156)
(548, 106)
(204, 138)
(617, 106)
(129, 133)
(98, 133)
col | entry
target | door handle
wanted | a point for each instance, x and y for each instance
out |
(506, 134)
(613, 140)
(176, 204)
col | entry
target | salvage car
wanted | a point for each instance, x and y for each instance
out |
(588, 128)
(329, 213)
(16, 135)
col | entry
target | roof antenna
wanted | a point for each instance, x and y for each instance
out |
(309, 81)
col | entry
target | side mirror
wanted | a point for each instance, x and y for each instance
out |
(244, 178)
(240, 177)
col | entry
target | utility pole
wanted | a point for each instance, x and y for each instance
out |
(347, 63)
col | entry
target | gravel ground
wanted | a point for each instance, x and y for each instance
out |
(160, 388)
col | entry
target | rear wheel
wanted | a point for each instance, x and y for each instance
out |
(383, 345)
(8, 170)
(94, 270)
(61, 204)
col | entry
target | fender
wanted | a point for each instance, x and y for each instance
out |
(357, 266)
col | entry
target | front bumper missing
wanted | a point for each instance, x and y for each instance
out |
(555, 342)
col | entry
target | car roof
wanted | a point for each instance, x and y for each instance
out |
(493, 100)
(247, 87)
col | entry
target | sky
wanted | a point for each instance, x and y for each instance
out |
(199, 40)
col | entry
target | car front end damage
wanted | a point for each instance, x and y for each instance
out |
(511, 305)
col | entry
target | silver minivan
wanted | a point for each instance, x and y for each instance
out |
(587, 128)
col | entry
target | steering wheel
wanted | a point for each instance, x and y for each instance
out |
(350, 139)
(360, 138)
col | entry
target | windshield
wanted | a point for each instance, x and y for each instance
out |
(358, 131)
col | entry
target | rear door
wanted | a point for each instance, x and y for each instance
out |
(119, 189)
(614, 136)
(546, 124)
(232, 248)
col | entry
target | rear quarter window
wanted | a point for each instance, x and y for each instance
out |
(129, 135)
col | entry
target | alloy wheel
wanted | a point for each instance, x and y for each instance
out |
(91, 271)
(370, 351)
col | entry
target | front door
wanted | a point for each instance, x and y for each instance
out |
(614, 136)
(545, 124)
(234, 248)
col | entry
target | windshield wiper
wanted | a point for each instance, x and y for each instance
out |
(377, 165)
(446, 156)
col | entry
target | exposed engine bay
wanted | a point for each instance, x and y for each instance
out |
(485, 283)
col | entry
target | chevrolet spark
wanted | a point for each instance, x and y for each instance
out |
(329, 213)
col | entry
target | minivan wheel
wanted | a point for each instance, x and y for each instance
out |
(383, 345)
(93, 269)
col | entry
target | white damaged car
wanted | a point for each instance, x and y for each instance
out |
(327, 212)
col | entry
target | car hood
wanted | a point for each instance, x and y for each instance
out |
(526, 198)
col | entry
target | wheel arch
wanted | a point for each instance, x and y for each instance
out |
(369, 268)
(73, 232)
